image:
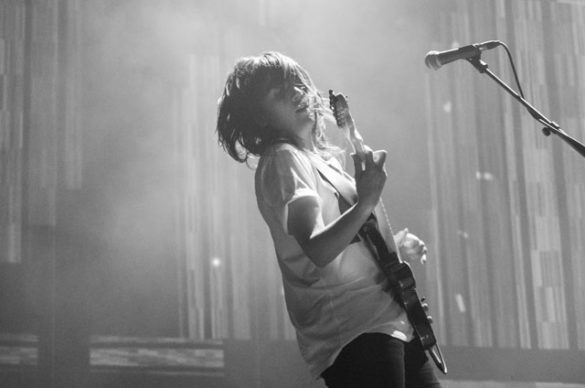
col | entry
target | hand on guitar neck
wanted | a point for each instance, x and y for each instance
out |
(370, 177)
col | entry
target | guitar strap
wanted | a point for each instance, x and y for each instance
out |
(388, 261)
(332, 175)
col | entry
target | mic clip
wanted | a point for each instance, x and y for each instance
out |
(476, 61)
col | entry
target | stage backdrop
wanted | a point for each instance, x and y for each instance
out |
(121, 217)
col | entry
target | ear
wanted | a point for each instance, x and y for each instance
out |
(261, 118)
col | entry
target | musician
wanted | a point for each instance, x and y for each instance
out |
(349, 329)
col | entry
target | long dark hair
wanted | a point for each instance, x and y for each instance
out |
(238, 131)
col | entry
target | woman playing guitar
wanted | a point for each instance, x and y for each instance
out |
(353, 313)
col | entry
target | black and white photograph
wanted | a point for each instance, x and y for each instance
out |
(292, 194)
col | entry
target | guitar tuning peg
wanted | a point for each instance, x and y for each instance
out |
(425, 306)
(430, 318)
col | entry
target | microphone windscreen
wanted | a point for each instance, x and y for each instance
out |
(432, 60)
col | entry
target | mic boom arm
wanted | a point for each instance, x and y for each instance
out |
(549, 126)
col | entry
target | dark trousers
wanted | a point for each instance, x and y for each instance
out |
(376, 360)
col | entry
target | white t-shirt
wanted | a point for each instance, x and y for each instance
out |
(329, 306)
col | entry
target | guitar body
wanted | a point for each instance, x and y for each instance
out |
(406, 294)
(401, 281)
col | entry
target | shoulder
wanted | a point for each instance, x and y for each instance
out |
(281, 149)
(284, 172)
(285, 165)
(283, 154)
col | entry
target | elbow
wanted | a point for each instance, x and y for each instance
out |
(320, 261)
(318, 250)
(319, 257)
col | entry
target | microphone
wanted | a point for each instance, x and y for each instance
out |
(436, 59)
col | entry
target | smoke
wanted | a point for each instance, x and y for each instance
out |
(136, 53)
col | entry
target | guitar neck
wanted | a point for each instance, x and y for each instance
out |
(356, 139)
(390, 240)
(357, 142)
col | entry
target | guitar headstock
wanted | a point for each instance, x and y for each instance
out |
(340, 109)
(338, 104)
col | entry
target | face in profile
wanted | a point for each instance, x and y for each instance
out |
(288, 109)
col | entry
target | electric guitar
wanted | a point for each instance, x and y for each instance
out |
(399, 274)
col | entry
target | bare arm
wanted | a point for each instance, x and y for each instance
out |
(323, 243)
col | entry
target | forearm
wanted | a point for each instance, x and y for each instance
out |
(325, 244)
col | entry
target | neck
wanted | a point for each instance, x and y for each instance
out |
(302, 140)
(307, 144)
(302, 143)
(305, 139)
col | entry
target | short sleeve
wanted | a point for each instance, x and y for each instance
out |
(284, 176)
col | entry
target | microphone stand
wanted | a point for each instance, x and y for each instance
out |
(549, 126)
